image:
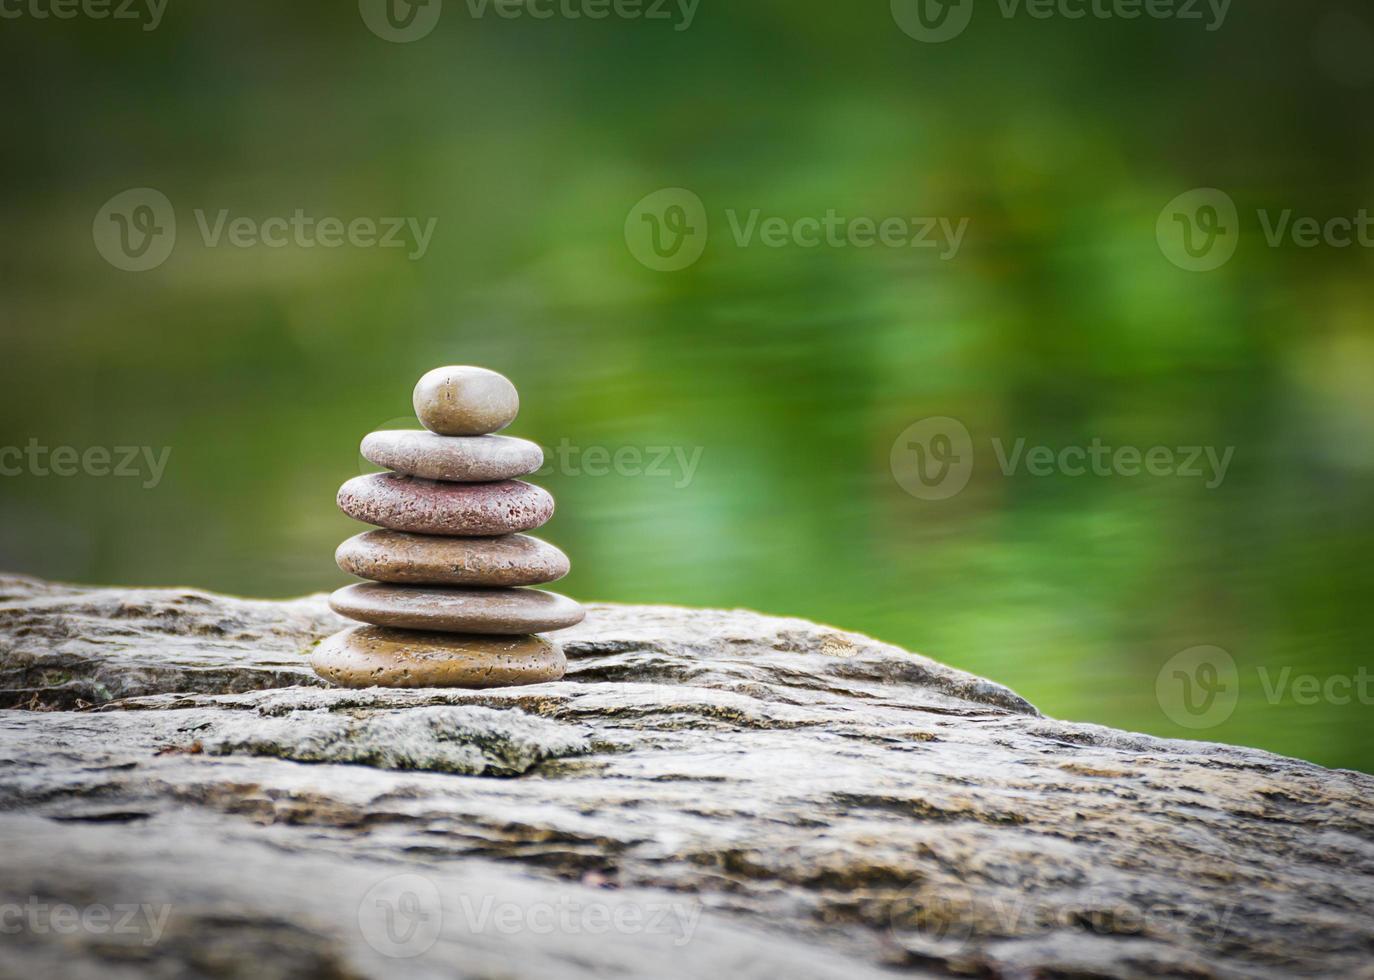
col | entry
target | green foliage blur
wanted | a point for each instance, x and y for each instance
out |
(792, 369)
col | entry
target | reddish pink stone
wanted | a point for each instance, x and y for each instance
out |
(405, 503)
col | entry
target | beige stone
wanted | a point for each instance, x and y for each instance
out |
(465, 401)
(423, 559)
(373, 656)
(464, 459)
(503, 611)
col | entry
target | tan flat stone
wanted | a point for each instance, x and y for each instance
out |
(462, 459)
(373, 656)
(423, 559)
(498, 611)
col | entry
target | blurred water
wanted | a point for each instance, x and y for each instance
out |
(779, 377)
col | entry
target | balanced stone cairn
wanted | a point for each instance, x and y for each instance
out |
(446, 602)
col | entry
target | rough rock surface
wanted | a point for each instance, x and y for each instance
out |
(706, 793)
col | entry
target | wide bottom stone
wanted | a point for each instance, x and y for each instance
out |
(375, 656)
(499, 611)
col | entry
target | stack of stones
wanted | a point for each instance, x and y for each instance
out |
(447, 603)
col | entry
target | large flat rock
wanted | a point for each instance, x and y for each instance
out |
(707, 793)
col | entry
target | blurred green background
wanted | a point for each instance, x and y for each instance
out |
(793, 370)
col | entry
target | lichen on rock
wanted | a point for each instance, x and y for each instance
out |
(457, 739)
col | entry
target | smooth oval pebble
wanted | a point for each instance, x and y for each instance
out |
(465, 401)
(374, 656)
(500, 611)
(464, 459)
(406, 503)
(421, 559)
